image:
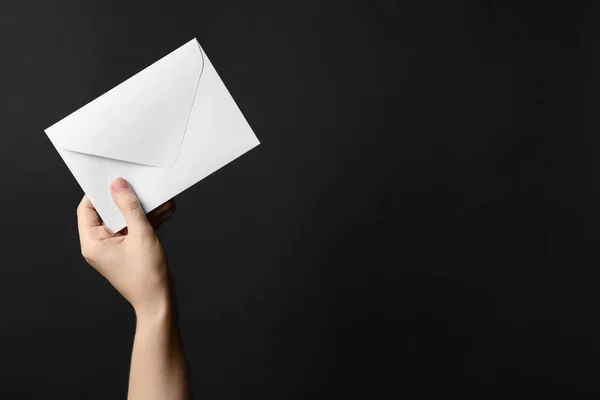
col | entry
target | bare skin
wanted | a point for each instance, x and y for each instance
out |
(134, 262)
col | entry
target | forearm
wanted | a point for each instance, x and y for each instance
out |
(158, 368)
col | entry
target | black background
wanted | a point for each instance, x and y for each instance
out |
(420, 218)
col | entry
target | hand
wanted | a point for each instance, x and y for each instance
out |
(132, 260)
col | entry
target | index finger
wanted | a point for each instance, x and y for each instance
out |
(87, 217)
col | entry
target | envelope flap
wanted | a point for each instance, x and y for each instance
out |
(143, 120)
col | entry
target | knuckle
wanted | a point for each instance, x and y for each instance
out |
(130, 205)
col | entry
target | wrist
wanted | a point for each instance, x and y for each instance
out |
(160, 309)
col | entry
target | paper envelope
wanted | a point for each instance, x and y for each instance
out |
(164, 129)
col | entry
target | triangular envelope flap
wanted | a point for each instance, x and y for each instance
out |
(142, 120)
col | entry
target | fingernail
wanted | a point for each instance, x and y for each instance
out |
(119, 185)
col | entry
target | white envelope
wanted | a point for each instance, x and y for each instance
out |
(164, 129)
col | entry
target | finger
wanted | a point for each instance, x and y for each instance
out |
(102, 232)
(158, 220)
(87, 217)
(130, 207)
(167, 207)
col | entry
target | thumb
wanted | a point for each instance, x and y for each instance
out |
(130, 207)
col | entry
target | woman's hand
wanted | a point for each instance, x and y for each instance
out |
(132, 260)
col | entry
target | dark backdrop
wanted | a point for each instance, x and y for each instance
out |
(420, 218)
